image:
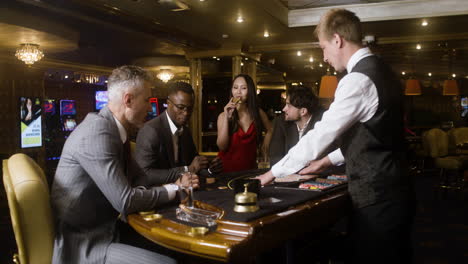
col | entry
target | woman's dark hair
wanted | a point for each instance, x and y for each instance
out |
(252, 107)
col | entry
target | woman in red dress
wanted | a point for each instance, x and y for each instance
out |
(240, 127)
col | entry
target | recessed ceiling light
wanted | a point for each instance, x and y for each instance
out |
(334, 73)
(218, 59)
(225, 36)
(418, 46)
(266, 34)
(299, 53)
(202, 0)
(311, 59)
(320, 65)
(424, 23)
(214, 57)
(240, 19)
(429, 74)
(403, 73)
(242, 64)
(246, 59)
(454, 75)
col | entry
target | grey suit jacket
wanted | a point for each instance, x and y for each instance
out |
(91, 188)
(155, 152)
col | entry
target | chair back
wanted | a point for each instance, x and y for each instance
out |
(435, 141)
(458, 137)
(30, 210)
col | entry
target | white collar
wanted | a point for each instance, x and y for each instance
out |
(357, 56)
(305, 125)
(172, 125)
(122, 131)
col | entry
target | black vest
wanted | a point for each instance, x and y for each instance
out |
(375, 150)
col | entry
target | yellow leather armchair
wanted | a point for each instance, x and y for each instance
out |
(437, 143)
(31, 215)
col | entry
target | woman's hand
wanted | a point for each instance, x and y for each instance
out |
(230, 107)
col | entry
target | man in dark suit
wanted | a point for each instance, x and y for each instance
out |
(301, 112)
(164, 145)
(96, 181)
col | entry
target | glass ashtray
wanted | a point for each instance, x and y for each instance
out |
(197, 215)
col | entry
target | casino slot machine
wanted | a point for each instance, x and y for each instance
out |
(67, 116)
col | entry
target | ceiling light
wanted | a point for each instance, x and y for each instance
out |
(165, 75)
(454, 75)
(246, 59)
(403, 73)
(29, 53)
(429, 74)
(424, 23)
(242, 64)
(320, 65)
(218, 59)
(266, 34)
(418, 46)
(311, 59)
(240, 19)
(214, 57)
(299, 53)
(334, 73)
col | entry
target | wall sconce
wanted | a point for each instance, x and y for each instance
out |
(165, 75)
(450, 88)
(412, 87)
(29, 53)
(328, 86)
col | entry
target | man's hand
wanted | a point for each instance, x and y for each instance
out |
(188, 179)
(216, 166)
(198, 163)
(266, 178)
(316, 166)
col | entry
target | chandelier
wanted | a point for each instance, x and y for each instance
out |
(165, 75)
(29, 53)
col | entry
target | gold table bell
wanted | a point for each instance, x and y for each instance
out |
(246, 202)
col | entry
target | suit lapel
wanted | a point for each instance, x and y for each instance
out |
(167, 139)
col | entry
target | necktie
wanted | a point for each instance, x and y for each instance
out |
(177, 153)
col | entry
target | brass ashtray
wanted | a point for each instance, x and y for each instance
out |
(143, 213)
(198, 231)
(153, 217)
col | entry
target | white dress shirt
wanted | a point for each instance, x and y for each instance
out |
(356, 100)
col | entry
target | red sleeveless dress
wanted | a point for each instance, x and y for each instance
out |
(242, 152)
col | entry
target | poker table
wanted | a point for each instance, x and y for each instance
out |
(285, 213)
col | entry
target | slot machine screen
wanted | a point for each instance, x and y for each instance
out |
(154, 108)
(49, 107)
(69, 124)
(101, 99)
(464, 106)
(30, 122)
(67, 107)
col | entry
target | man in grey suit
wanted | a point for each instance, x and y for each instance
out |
(300, 114)
(164, 146)
(97, 182)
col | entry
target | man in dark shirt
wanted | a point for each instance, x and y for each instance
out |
(300, 114)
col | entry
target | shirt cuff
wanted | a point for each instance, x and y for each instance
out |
(171, 190)
(336, 157)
